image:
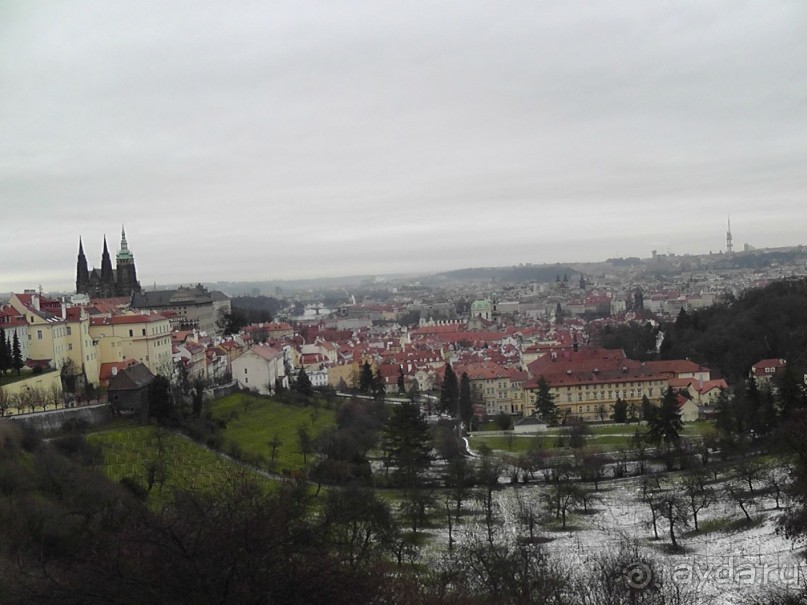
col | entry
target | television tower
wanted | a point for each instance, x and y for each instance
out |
(729, 245)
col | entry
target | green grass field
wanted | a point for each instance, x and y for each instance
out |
(609, 437)
(253, 421)
(129, 452)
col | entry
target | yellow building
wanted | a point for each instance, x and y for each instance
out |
(47, 328)
(588, 384)
(500, 388)
(58, 333)
(145, 338)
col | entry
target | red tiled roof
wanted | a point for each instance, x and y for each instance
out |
(267, 353)
(119, 320)
(677, 366)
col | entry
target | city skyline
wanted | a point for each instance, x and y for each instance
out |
(250, 142)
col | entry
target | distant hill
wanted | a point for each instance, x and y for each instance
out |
(515, 274)
(763, 323)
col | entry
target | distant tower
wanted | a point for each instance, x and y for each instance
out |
(125, 274)
(107, 275)
(729, 245)
(82, 273)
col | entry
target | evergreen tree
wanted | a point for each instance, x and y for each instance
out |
(414, 390)
(620, 411)
(406, 440)
(666, 425)
(647, 409)
(366, 378)
(465, 401)
(725, 417)
(5, 353)
(545, 407)
(16, 354)
(378, 386)
(789, 392)
(401, 381)
(303, 383)
(160, 402)
(449, 392)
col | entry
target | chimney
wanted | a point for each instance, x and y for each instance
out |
(114, 371)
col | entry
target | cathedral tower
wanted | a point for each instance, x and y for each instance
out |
(82, 273)
(107, 282)
(125, 272)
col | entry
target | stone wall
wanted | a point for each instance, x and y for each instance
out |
(53, 421)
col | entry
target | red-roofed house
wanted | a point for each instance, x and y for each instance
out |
(260, 369)
(586, 384)
(499, 387)
(58, 334)
(765, 370)
(681, 368)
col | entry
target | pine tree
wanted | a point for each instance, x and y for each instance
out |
(16, 354)
(790, 392)
(378, 386)
(666, 425)
(303, 383)
(401, 381)
(366, 378)
(465, 402)
(449, 392)
(620, 411)
(407, 439)
(545, 407)
(5, 353)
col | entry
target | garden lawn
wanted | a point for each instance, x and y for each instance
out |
(252, 422)
(129, 452)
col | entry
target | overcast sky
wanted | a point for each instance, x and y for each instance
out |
(280, 140)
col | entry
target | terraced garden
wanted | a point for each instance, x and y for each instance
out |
(253, 422)
(154, 457)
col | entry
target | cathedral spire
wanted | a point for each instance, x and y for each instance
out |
(82, 273)
(106, 265)
(124, 253)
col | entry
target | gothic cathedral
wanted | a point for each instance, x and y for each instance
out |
(107, 282)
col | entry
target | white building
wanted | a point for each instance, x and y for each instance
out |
(259, 369)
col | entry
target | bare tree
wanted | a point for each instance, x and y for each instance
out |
(749, 470)
(274, 443)
(775, 479)
(459, 477)
(697, 494)
(648, 493)
(673, 508)
(560, 498)
(529, 513)
(488, 475)
(5, 401)
(305, 442)
(743, 500)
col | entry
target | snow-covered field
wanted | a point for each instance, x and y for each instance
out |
(718, 566)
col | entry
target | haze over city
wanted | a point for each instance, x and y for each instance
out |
(286, 140)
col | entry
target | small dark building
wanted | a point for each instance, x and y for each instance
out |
(128, 390)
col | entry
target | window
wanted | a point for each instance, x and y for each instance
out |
(245, 370)
(39, 334)
(131, 332)
(70, 346)
(144, 331)
(69, 331)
